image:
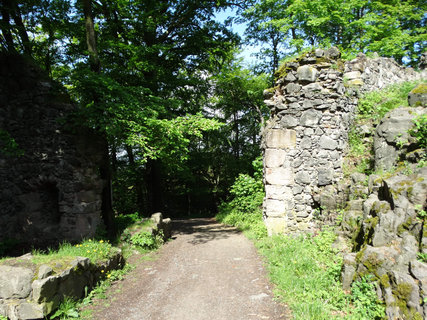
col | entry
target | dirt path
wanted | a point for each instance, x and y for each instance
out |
(208, 271)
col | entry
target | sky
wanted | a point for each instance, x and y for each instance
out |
(239, 28)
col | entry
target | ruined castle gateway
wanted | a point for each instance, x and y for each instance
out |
(305, 139)
(50, 185)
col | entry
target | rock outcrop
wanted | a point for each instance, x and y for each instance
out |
(388, 232)
(29, 291)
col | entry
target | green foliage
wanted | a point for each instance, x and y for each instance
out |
(306, 272)
(146, 240)
(422, 256)
(374, 105)
(391, 28)
(365, 299)
(68, 309)
(8, 145)
(419, 131)
(244, 210)
(96, 251)
(3, 317)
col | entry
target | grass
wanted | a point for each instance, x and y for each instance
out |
(374, 105)
(96, 251)
(305, 271)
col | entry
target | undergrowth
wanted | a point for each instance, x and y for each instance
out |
(305, 269)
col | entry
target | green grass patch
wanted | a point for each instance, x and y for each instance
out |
(96, 251)
(374, 105)
(306, 271)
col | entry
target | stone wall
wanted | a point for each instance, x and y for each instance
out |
(305, 139)
(50, 186)
(28, 291)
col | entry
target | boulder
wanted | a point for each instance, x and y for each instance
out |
(15, 282)
(392, 139)
(418, 95)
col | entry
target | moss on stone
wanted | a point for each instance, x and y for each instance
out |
(403, 291)
(404, 226)
(420, 89)
(372, 263)
(385, 281)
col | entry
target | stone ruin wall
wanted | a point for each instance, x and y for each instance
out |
(53, 191)
(305, 140)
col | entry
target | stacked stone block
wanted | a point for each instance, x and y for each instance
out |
(306, 137)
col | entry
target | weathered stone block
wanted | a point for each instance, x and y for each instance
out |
(289, 121)
(30, 310)
(15, 282)
(280, 139)
(302, 177)
(278, 176)
(278, 192)
(307, 73)
(310, 118)
(327, 143)
(275, 225)
(45, 289)
(418, 96)
(275, 208)
(352, 75)
(274, 157)
(292, 88)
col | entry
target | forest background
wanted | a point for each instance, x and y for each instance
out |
(162, 84)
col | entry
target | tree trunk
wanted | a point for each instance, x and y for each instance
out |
(94, 61)
(5, 27)
(21, 28)
(105, 168)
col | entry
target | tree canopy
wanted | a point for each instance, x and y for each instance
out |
(158, 80)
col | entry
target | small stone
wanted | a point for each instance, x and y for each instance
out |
(310, 118)
(327, 143)
(302, 178)
(325, 176)
(289, 121)
(290, 77)
(333, 53)
(352, 75)
(313, 87)
(355, 83)
(305, 143)
(307, 73)
(293, 88)
(319, 52)
(44, 271)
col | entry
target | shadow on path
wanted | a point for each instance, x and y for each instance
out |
(203, 230)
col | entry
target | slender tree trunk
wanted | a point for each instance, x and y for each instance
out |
(21, 29)
(5, 27)
(105, 168)
(91, 37)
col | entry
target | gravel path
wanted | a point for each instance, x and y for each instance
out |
(208, 271)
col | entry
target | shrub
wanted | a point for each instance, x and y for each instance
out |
(365, 299)
(419, 131)
(146, 240)
(374, 105)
